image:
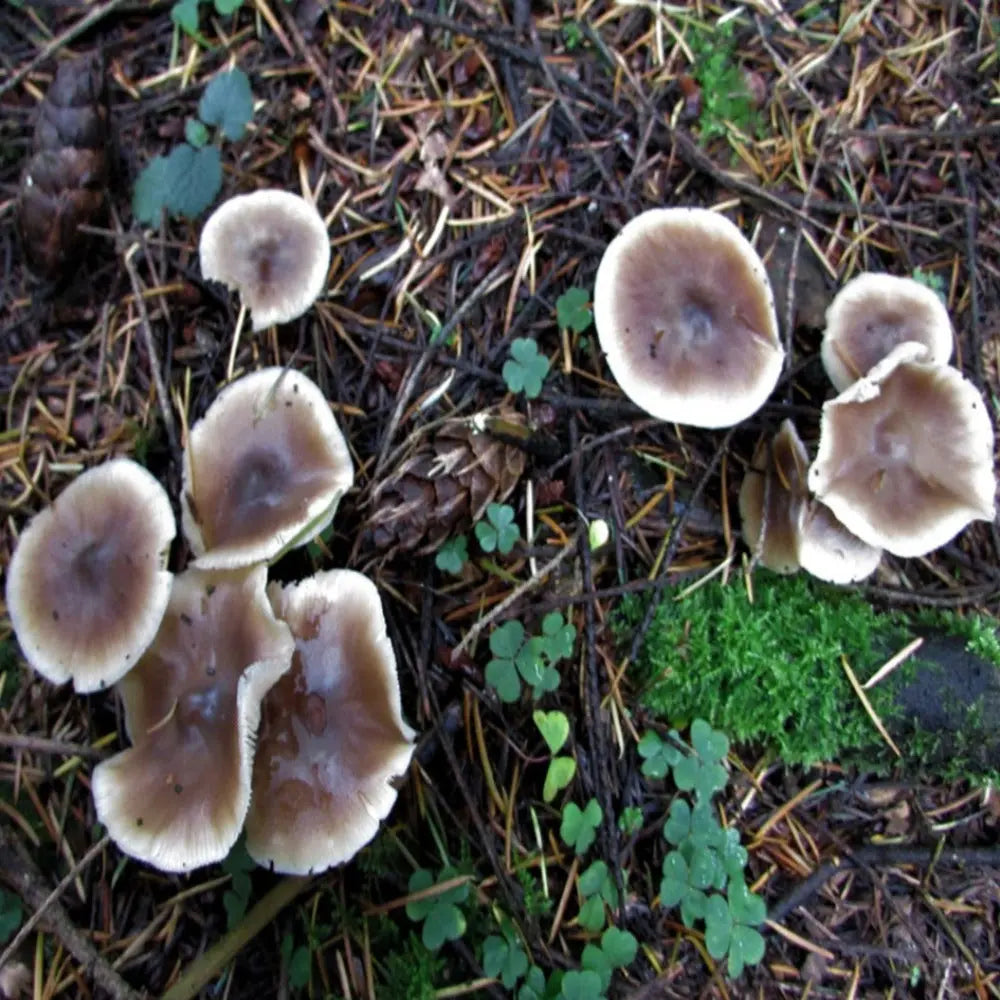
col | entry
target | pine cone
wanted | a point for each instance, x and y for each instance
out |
(444, 488)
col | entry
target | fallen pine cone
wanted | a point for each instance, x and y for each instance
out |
(62, 186)
(445, 487)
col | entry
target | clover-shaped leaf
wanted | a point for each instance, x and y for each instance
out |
(658, 756)
(506, 643)
(582, 984)
(445, 922)
(746, 906)
(711, 745)
(526, 369)
(530, 663)
(674, 885)
(573, 309)
(554, 727)
(442, 919)
(501, 674)
(560, 773)
(746, 947)
(548, 681)
(227, 103)
(498, 532)
(718, 926)
(619, 946)
(732, 852)
(534, 986)
(704, 866)
(594, 959)
(579, 826)
(504, 959)
(693, 906)
(592, 915)
(690, 774)
(678, 826)
(238, 864)
(452, 555)
(557, 638)
(185, 183)
(11, 913)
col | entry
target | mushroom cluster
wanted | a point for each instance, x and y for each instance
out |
(905, 453)
(291, 693)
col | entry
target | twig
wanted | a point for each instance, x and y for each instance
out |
(41, 744)
(30, 885)
(84, 24)
(525, 588)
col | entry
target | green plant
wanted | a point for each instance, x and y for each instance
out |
(184, 13)
(439, 912)
(572, 34)
(11, 914)
(525, 369)
(725, 101)
(517, 657)
(630, 820)
(703, 873)
(554, 727)
(409, 971)
(186, 181)
(573, 310)
(498, 532)
(238, 865)
(298, 958)
(579, 826)
(597, 888)
(504, 957)
(453, 555)
(617, 950)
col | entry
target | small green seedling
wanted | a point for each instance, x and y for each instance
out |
(504, 957)
(442, 919)
(579, 826)
(630, 820)
(188, 179)
(598, 888)
(184, 13)
(517, 657)
(933, 281)
(573, 310)
(453, 555)
(526, 369)
(554, 727)
(499, 532)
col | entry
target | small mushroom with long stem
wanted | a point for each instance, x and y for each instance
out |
(88, 585)
(264, 470)
(177, 798)
(685, 314)
(332, 736)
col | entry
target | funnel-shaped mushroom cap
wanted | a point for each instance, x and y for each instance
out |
(272, 246)
(828, 551)
(872, 314)
(264, 470)
(905, 455)
(684, 311)
(178, 798)
(88, 585)
(332, 734)
(772, 496)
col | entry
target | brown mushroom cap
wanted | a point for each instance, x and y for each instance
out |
(905, 455)
(872, 314)
(332, 733)
(178, 797)
(685, 314)
(87, 584)
(772, 497)
(828, 551)
(264, 470)
(273, 247)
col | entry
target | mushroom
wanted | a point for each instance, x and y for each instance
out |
(828, 551)
(273, 247)
(905, 455)
(264, 470)
(685, 314)
(332, 733)
(872, 314)
(178, 797)
(87, 584)
(772, 497)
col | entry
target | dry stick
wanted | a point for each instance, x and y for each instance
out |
(525, 588)
(410, 384)
(147, 335)
(31, 887)
(41, 744)
(210, 963)
(84, 24)
(883, 854)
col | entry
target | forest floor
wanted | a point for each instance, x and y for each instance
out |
(473, 159)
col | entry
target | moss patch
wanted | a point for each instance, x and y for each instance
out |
(770, 672)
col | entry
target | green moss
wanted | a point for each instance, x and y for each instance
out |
(771, 672)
